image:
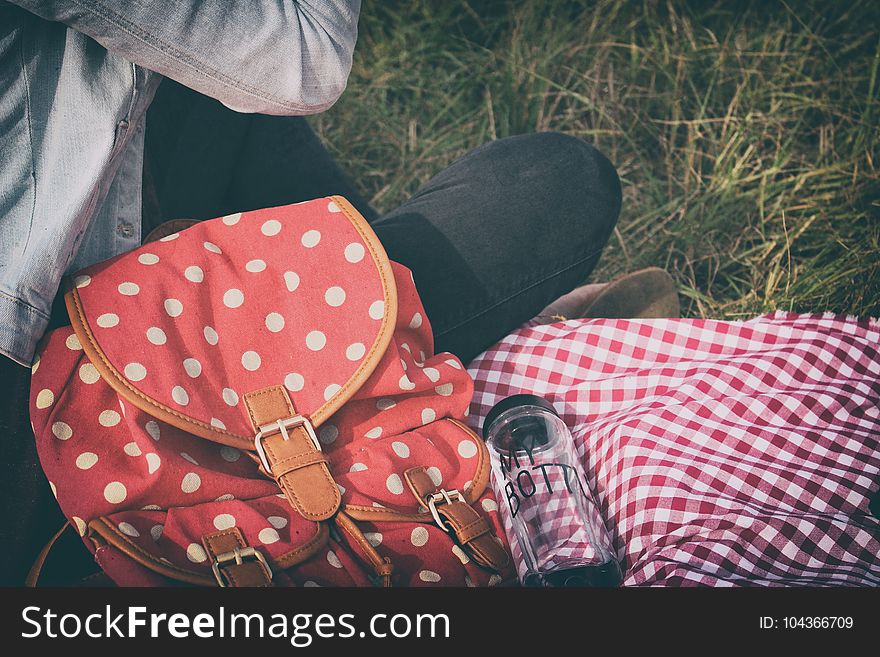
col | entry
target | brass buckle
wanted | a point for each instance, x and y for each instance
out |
(238, 555)
(281, 426)
(446, 497)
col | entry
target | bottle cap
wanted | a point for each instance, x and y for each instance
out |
(512, 402)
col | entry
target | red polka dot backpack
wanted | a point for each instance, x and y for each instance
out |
(255, 401)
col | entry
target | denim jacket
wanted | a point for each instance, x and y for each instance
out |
(76, 78)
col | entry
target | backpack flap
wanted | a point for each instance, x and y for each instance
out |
(260, 323)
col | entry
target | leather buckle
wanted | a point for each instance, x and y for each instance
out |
(238, 555)
(281, 426)
(446, 497)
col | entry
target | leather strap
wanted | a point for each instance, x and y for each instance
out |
(33, 575)
(382, 566)
(295, 462)
(234, 563)
(471, 530)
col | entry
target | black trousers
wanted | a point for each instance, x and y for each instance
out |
(490, 240)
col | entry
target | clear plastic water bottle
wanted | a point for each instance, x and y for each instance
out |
(553, 524)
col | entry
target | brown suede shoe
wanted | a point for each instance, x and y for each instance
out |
(647, 293)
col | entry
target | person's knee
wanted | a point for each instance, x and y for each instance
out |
(578, 167)
(553, 165)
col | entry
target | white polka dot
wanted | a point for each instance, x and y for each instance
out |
(82, 281)
(394, 484)
(445, 390)
(373, 538)
(405, 383)
(331, 390)
(36, 364)
(384, 404)
(294, 382)
(354, 252)
(115, 492)
(355, 351)
(375, 432)
(271, 228)
(230, 396)
(400, 448)
(213, 248)
(467, 449)
(148, 258)
(88, 373)
(54, 490)
(156, 335)
(432, 374)
(268, 536)
(421, 360)
(108, 320)
(278, 522)
(180, 395)
(230, 454)
(218, 424)
(173, 307)
(233, 298)
(435, 475)
(156, 531)
(152, 428)
(291, 280)
(169, 238)
(72, 342)
(250, 360)
(196, 553)
(429, 576)
(187, 457)
(458, 552)
(334, 296)
(377, 310)
(62, 430)
(224, 521)
(357, 467)
(416, 321)
(128, 288)
(316, 340)
(86, 460)
(153, 462)
(328, 434)
(274, 322)
(131, 449)
(428, 416)
(211, 336)
(419, 536)
(135, 372)
(311, 238)
(232, 219)
(227, 497)
(333, 560)
(80, 525)
(255, 266)
(489, 505)
(194, 274)
(45, 398)
(332, 207)
(192, 367)
(190, 483)
(128, 529)
(452, 362)
(109, 418)
(403, 364)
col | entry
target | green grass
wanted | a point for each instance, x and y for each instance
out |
(745, 133)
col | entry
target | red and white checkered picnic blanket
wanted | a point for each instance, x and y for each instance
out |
(720, 453)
